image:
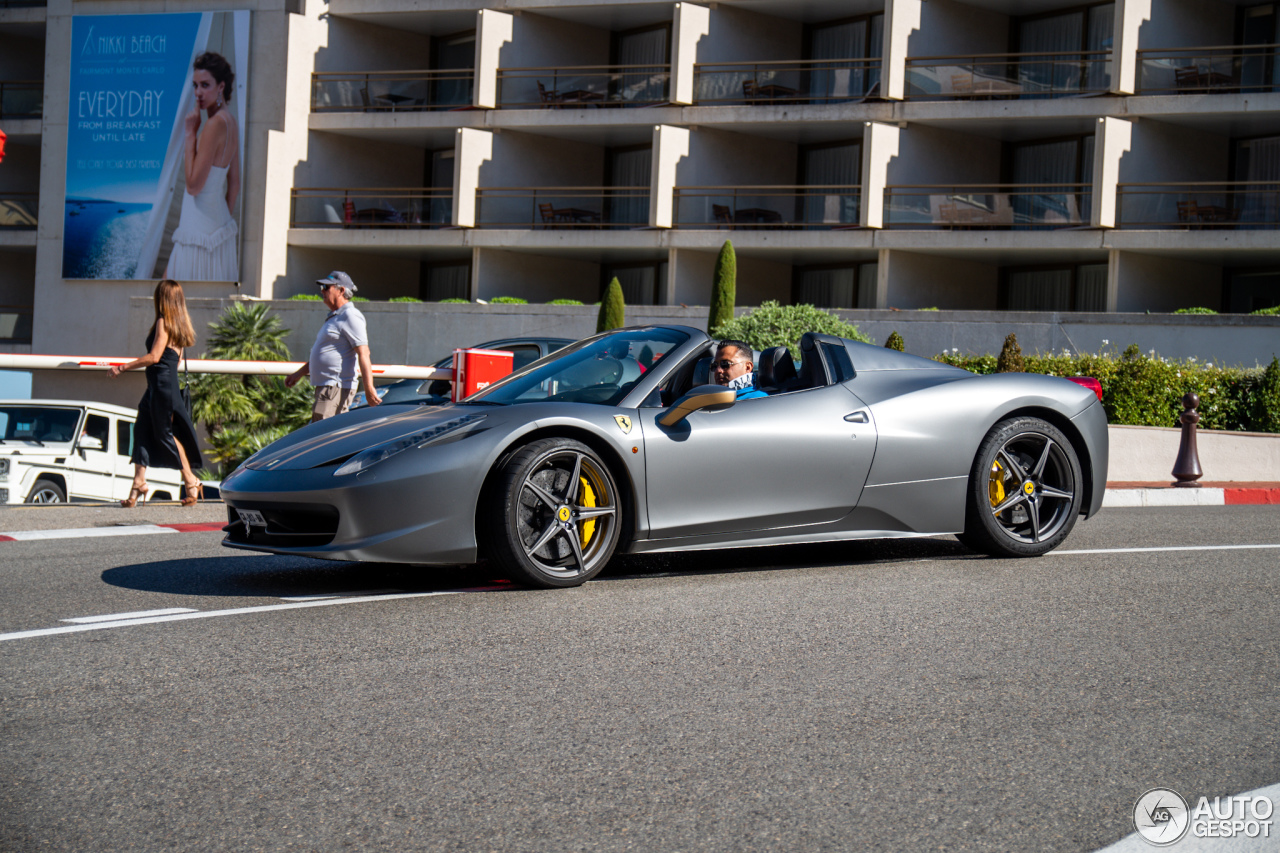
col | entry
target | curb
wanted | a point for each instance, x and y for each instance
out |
(126, 530)
(1165, 495)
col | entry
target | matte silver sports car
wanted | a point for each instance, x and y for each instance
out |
(618, 444)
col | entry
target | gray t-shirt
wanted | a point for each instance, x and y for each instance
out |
(333, 355)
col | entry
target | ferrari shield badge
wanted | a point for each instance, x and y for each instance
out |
(624, 423)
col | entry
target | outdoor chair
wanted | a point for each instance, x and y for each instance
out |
(723, 215)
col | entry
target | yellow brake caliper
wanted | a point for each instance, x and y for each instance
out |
(587, 498)
(995, 486)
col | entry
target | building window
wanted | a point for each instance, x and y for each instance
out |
(445, 281)
(1067, 160)
(850, 38)
(1059, 288)
(641, 283)
(453, 52)
(628, 167)
(837, 164)
(1070, 32)
(1252, 290)
(835, 286)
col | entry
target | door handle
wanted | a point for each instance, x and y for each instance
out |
(857, 418)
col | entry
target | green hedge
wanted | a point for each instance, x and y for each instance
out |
(1142, 389)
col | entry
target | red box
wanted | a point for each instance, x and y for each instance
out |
(477, 369)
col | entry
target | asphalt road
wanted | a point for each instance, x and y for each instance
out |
(875, 696)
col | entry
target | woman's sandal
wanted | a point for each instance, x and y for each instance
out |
(136, 493)
(193, 493)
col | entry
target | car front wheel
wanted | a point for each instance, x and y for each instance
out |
(555, 515)
(1025, 490)
(47, 492)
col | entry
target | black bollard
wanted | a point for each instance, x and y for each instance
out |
(1187, 467)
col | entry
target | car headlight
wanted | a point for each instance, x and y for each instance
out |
(374, 455)
(4, 467)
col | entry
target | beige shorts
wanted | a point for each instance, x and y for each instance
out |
(331, 400)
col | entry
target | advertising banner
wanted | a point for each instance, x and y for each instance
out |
(155, 146)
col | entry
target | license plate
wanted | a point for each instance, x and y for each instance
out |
(252, 517)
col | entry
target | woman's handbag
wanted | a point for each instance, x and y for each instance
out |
(184, 390)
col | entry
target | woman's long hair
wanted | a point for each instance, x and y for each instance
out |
(172, 306)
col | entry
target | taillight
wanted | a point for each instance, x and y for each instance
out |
(1089, 382)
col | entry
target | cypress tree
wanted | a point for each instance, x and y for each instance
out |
(1010, 360)
(724, 289)
(895, 342)
(613, 311)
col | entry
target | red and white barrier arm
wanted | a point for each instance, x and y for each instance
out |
(208, 365)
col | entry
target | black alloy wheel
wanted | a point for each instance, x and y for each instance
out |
(1025, 490)
(555, 515)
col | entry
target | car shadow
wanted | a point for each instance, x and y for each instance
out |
(267, 576)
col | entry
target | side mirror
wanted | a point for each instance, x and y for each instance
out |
(89, 442)
(702, 397)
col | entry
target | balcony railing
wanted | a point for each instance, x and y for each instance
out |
(1239, 205)
(21, 98)
(1013, 206)
(584, 86)
(754, 207)
(1209, 70)
(391, 91)
(363, 207)
(18, 211)
(1009, 76)
(15, 324)
(562, 207)
(817, 81)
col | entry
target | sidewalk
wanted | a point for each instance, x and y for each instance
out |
(1231, 493)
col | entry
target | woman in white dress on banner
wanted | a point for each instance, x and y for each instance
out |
(204, 243)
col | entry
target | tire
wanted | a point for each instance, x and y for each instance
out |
(542, 530)
(46, 492)
(1028, 511)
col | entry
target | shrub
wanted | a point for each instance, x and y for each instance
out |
(895, 342)
(454, 300)
(613, 310)
(723, 289)
(306, 297)
(565, 302)
(1142, 389)
(932, 308)
(1195, 311)
(1011, 360)
(773, 325)
(1274, 309)
(508, 300)
(404, 299)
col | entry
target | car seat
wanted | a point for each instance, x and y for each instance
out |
(776, 370)
(812, 373)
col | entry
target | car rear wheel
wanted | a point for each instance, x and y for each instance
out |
(1025, 490)
(47, 492)
(555, 515)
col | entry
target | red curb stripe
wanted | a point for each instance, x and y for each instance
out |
(7, 539)
(1234, 497)
(195, 527)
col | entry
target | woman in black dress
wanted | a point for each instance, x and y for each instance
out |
(163, 435)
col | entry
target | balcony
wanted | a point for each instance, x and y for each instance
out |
(18, 211)
(353, 207)
(21, 98)
(1010, 76)
(819, 81)
(562, 207)
(20, 4)
(391, 91)
(582, 86)
(1207, 70)
(815, 208)
(1238, 205)
(1009, 206)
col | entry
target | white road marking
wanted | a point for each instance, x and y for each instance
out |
(326, 595)
(77, 532)
(206, 614)
(140, 614)
(1171, 548)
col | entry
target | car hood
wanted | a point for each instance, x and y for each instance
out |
(28, 449)
(331, 441)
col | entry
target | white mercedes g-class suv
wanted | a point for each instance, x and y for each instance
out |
(52, 451)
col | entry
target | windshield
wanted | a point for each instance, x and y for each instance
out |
(598, 370)
(38, 423)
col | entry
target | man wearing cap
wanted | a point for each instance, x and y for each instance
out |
(343, 342)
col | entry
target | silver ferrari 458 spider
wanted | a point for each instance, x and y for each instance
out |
(618, 444)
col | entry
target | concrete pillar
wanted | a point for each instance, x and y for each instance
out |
(472, 148)
(1111, 142)
(670, 146)
(1129, 17)
(1113, 280)
(901, 19)
(689, 24)
(883, 259)
(493, 30)
(879, 146)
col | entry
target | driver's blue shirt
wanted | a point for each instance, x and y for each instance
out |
(749, 393)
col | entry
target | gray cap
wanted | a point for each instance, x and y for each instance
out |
(341, 279)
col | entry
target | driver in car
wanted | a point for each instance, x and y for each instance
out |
(733, 367)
